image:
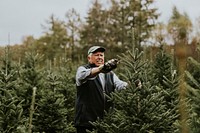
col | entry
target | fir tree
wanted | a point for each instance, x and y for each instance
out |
(67, 77)
(55, 108)
(193, 86)
(163, 65)
(168, 81)
(30, 76)
(11, 118)
(11, 110)
(8, 72)
(139, 108)
(50, 115)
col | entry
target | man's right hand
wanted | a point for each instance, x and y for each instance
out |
(109, 65)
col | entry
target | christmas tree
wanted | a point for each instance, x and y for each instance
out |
(11, 119)
(30, 76)
(168, 80)
(141, 108)
(55, 109)
(50, 115)
(193, 86)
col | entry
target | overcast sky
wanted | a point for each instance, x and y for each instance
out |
(20, 18)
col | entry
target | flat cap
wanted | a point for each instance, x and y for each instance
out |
(94, 49)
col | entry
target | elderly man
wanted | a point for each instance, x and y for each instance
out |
(94, 81)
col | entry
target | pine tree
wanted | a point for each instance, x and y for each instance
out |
(73, 26)
(179, 27)
(124, 23)
(138, 20)
(193, 85)
(93, 32)
(138, 109)
(54, 41)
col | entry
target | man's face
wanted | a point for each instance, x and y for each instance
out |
(96, 58)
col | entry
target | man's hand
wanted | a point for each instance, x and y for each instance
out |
(109, 65)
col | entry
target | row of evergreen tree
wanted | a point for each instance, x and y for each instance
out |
(35, 98)
(49, 108)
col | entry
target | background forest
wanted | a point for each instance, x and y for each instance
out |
(37, 77)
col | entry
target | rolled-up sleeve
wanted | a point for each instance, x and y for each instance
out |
(119, 84)
(82, 75)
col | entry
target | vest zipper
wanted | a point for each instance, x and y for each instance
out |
(104, 99)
